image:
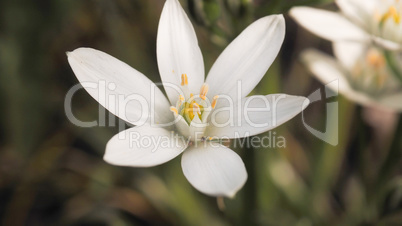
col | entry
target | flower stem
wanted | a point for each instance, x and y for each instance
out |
(394, 155)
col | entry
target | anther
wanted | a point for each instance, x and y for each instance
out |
(395, 15)
(174, 110)
(181, 100)
(391, 13)
(184, 79)
(375, 59)
(204, 91)
(214, 101)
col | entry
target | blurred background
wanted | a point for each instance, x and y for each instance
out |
(52, 172)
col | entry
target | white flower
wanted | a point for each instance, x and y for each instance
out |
(209, 166)
(359, 20)
(362, 73)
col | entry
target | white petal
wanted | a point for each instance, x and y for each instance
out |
(197, 128)
(177, 51)
(387, 44)
(214, 169)
(254, 115)
(359, 11)
(247, 58)
(393, 102)
(133, 91)
(182, 127)
(327, 70)
(348, 53)
(143, 146)
(328, 25)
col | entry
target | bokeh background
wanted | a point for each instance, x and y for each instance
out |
(52, 172)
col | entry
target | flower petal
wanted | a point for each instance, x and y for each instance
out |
(328, 25)
(349, 53)
(387, 44)
(143, 146)
(197, 128)
(362, 12)
(214, 169)
(327, 70)
(359, 11)
(254, 115)
(182, 127)
(177, 51)
(247, 58)
(392, 102)
(132, 91)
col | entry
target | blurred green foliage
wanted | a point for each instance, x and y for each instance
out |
(52, 173)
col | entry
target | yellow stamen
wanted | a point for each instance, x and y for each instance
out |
(395, 15)
(181, 100)
(214, 101)
(210, 138)
(375, 59)
(184, 79)
(174, 110)
(191, 95)
(204, 91)
(392, 13)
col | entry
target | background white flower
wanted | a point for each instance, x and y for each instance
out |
(362, 72)
(358, 20)
(210, 167)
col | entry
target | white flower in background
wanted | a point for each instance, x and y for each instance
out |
(209, 166)
(358, 20)
(362, 72)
